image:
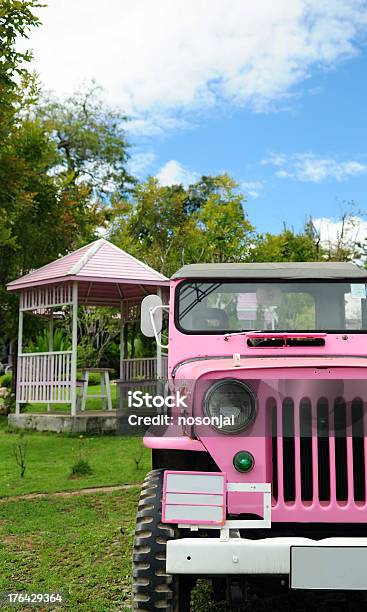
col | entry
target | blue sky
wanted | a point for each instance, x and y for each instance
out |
(272, 93)
(325, 121)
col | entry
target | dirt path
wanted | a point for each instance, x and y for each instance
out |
(109, 489)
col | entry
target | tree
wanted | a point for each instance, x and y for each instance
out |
(154, 226)
(58, 163)
(342, 240)
(169, 226)
(225, 231)
(288, 246)
(16, 20)
(91, 143)
(97, 329)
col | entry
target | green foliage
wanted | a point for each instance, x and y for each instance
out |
(6, 379)
(20, 453)
(81, 468)
(41, 343)
(225, 231)
(94, 379)
(307, 246)
(59, 164)
(288, 246)
(169, 226)
(97, 328)
(91, 143)
(9, 403)
(16, 20)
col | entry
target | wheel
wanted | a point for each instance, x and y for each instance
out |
(152, 588)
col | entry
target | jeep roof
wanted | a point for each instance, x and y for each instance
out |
(279, 271)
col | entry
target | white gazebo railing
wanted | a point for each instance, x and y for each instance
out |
(142, 369)
(45, 377)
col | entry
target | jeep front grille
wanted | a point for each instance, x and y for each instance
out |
(319, 451)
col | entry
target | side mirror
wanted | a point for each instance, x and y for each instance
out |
(151, 315)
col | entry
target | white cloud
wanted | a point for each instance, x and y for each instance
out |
(140, 162)
(163, 56)
(174, 173)
(332, 232)
(308, 167)
(156, 123)
(252, 188)
(275, 159)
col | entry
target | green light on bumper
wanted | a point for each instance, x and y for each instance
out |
(243, 461)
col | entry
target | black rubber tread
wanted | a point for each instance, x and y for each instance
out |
(153, 589)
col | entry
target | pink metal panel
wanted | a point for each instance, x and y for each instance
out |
(240, 502)
(175, 443)
(287, 367)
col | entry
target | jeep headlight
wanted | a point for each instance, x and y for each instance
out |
(231, 399)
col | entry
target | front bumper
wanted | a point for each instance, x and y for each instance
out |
(242, 556)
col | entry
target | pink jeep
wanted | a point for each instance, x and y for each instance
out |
(263, 474)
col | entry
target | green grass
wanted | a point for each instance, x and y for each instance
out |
(80, 546)
(50, 458)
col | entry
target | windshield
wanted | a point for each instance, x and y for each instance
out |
(216, 307)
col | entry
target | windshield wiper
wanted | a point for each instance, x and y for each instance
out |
(244, 333)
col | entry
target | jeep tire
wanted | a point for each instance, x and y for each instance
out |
(152, 588)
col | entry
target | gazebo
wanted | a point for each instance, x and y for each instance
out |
(98, 274)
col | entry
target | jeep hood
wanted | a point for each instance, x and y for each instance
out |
(195, 368)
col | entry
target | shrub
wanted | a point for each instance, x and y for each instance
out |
(5, 380)
(41, 342)
(81, 468)
(20, 453)
(8, 404)
(94, 379)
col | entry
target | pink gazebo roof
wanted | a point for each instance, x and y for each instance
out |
(105, 274)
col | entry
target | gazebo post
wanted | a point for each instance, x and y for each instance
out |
(20, 348)
(122, 333)
(159, 369)
(122, 352)
(74, 348)
(51, 346)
